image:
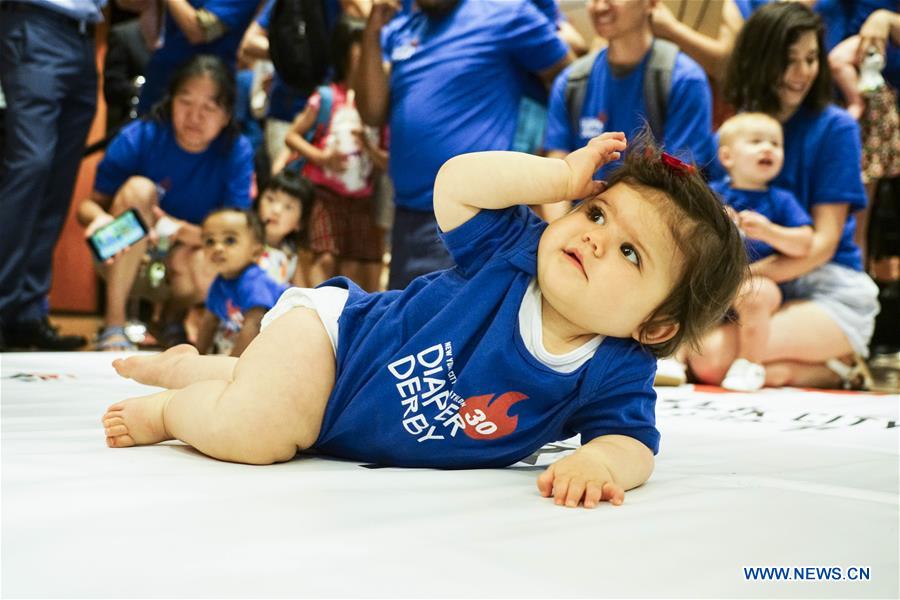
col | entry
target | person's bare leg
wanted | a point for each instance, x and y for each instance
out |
(324, 267)
(759, 299)
(273, 407)
(801, 374)
(175, 368)
(799, 331)
(138, 193)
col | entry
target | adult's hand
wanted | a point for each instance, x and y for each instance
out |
(382, 12)
(662, 21)
(875, 32)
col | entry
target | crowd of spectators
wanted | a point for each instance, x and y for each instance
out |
(199, 121)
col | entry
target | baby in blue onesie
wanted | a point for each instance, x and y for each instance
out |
(751, 148)
(541, 332)
(242, 291)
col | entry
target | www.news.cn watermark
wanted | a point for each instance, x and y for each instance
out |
(807, 573)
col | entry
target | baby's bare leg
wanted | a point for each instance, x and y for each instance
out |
(176, 368)
(273, 407)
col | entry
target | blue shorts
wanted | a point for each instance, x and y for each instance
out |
(848, 295)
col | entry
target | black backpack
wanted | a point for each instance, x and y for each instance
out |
(657, 85)
(298, 43)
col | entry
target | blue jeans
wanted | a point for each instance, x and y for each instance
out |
(49, 78)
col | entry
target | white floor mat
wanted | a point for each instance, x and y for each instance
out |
(790, 479)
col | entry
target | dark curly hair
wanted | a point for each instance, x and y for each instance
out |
(715, 263)
(253, 223)
(760, 58)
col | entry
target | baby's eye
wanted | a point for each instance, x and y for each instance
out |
(631, 254)
(209, 242)
(595, 214)
(230, 240)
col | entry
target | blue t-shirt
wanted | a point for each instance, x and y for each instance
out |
(229, 299)
(834, 15)
(437, 375)
(456, 83)
(861, 9)
(822, 158)
(616, 103)
(194, 184)
(891, 71)
(777, 205)
(236, 15)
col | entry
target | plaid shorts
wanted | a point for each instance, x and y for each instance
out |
(345, 227)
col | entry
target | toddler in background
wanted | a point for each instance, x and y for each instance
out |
(242, 291)
(283, 209)
(751, 148)
(341, 160)
(541, 332)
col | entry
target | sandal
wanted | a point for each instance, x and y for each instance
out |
(855, 376)
(112, 338)
(173, 334)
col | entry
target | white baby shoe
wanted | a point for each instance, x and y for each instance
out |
(744, 376)
(670, 371)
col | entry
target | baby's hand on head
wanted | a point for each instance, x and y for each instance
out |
(579, 479)
(584, 162)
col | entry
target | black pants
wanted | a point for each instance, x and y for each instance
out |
(49, 79)
(416, 247)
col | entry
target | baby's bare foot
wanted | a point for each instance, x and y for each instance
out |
(137, 421)
(154, 369)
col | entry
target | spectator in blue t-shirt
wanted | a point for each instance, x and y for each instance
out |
(183, 161)
(830, 304)
(448, 78)
(542, 332)
(194, 27)
(242, 291)
(614, 99)
(751, 148)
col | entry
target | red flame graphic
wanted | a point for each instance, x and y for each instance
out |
(487, 420)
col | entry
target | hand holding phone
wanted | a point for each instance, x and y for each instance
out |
(119, 234)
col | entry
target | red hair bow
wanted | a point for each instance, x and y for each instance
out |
(677, 165)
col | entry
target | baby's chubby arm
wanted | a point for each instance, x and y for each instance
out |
(600, 470)
(790, 241)
(471, 182)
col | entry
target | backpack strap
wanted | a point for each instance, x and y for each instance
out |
(658, 84)
(576, 88)
(323, 117)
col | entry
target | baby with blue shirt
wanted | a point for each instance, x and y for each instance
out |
(541, 332)
(242, 292)
(751, 148)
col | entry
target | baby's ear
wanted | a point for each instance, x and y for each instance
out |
(655, 333)
(725, 157)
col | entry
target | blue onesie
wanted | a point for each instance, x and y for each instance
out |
(437, 375)
(194, 184)
(778, 205)
(229, 299)
(615, 102)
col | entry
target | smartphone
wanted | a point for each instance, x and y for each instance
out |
(119, 234)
